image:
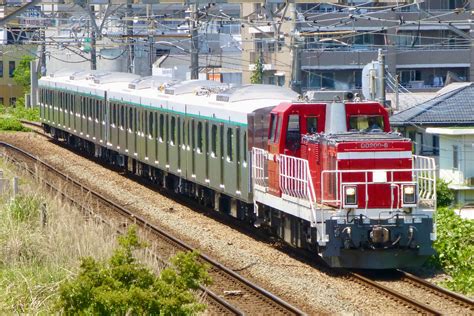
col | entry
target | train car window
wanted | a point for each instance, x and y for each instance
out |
(193, 138)
(97, 109)
(130, 119)
(293, 137)
(162, 127)
(173, 130)
(122, 117)
(178, 132)
(150, 124)
(135, 120)
(311, 125)
(237, 147)
(155, 118)
(206, 138)
(273, 127)
(245, 146)
(91, 109)
(199, 138)
(230, 135)
(366, 123)
(214, 140)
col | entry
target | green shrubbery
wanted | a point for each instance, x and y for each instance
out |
(122, 286)
(11, 124)
(455, 248)
(10, 116)
(444, 195)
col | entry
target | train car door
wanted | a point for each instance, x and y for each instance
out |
(141, 148)
(215, 157)
(182, 148)
(119, 132)
(173, 144)
(200, 152)
(230, 163)
(132, 134)
(162, 138)
(150, 138)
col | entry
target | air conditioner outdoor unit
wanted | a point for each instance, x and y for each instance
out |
(470, 181)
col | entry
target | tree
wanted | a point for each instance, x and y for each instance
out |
(21, 75)
(444, 195)
(257, 74)
(123, 286)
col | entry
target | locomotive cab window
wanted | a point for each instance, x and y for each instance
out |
(293, 136)
(311, 125)
(366, 123)
(273, 127)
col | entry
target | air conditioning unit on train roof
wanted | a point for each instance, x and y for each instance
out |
(323, 95)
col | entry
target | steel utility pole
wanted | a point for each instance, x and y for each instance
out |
(381, 79)
(129, 32)
(295, 46)
(151, 40)
(42, 66)
(93, 42)
(193, 19)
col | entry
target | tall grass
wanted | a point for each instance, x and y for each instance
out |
(36, 258)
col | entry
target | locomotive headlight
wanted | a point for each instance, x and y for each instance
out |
(409, 194)
(350, 196)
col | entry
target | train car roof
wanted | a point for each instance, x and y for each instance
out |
(201, 98)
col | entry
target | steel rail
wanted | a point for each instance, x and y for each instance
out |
(421, 307)
(164, 235)
(454, 297)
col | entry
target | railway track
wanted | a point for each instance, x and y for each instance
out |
(229, 294)
(415, 293)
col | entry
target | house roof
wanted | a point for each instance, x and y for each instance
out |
(455, 107)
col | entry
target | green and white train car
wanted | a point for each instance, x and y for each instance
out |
(192, 136)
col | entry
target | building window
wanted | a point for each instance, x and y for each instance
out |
(455, 157)
(435, 145)
(13, 101)
(11, 68)
(1, 101)
(1, 69)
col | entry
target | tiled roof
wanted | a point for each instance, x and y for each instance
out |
(455, 107)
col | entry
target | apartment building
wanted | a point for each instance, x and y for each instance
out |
(12, 48)
(426, 43)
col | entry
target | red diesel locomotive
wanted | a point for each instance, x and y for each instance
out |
(336, 179)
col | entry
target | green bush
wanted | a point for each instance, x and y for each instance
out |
(455, 248)
(444, 195)
(122, 286)
(11, 124)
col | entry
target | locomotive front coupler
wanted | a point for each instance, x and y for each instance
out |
(364, 233)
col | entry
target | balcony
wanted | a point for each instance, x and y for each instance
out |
(335, 59)
(433, 58)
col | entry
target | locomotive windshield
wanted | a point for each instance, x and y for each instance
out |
(366, 123)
